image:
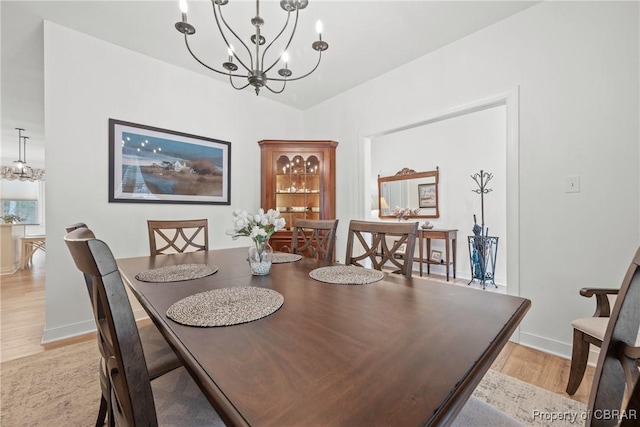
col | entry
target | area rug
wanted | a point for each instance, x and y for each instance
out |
(55, 388)
(531, 405)
(61, 388)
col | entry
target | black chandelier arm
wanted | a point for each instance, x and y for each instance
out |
(295, 25)
(301, 77)
(234, 86)
(215, 14)
(226, 73)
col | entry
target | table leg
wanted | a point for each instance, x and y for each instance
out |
(428, 255)
(455, 245)
(420, 250)
(446, 254)
(23, 253)
(26, 254)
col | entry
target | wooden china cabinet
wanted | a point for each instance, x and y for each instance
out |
(298, 179)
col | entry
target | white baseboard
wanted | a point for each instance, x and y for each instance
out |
(67, 331)
(10, 270)
(556, 348)
(77, 329)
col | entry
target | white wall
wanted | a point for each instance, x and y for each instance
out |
(576, 66)
(88, 81)
(459, 147)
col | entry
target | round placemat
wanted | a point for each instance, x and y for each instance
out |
(176, 273)
(346, 275)
(226, 306)
(283, 257)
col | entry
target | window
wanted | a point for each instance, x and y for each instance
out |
(27, 209)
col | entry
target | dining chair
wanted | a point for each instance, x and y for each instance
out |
(617, 369)
(615, 392)
(315, 238)
(172, 399)
(178, 236)
(378, 249)
(159, 357)
(589, 331)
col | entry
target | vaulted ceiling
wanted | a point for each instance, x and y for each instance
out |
(366, 39)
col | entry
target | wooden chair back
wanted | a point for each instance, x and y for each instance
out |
(105, 405)
(87, 278)
(382, 243)
(178, 236)
(617, 368)
(131, 396)
(315, 238)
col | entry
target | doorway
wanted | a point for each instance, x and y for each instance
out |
(432, 135)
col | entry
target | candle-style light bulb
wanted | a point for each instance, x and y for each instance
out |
(184, 8)
(230, 52)
(319, 29)
(183, 26)
(285, 57)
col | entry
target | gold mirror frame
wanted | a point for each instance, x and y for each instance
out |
(424, 196)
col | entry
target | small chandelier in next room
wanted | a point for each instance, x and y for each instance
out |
(20, 170)
(254, 61)
(20, 167)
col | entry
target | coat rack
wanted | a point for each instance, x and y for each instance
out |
(483, 249)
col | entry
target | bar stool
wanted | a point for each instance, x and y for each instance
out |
(30, 245)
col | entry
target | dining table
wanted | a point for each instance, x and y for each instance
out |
(395, 352)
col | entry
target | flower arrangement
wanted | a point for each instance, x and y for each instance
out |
(259, 226)
(405, 213)
(11, 219)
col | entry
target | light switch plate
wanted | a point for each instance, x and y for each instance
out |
(571, 184)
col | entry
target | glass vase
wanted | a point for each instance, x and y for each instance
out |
(260, 258)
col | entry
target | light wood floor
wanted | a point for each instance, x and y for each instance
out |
(22, 320)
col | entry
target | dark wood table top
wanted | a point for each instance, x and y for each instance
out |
(401, 351)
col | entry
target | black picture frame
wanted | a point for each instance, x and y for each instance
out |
(153, 165)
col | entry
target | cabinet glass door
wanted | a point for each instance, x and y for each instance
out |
(298, 187)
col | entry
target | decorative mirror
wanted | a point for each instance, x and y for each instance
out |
(408, 189)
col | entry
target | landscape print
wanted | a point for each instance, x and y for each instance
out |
(150, 164)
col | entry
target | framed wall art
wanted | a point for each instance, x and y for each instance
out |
(427, 196)
(152, 165)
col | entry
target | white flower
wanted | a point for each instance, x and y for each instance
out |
(257, 232)
(240, 223)
(279, 224)
(259, 226)
(240, 213)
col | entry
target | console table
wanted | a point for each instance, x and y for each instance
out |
(450, 237)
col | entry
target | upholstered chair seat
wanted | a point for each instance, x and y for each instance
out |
(179, 401)
(595, 326)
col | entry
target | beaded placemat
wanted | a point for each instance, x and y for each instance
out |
(226, 306)
(283, 257)
(176, 273)
(346, 275)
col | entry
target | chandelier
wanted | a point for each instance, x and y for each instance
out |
(255, 65)
(20, 169)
